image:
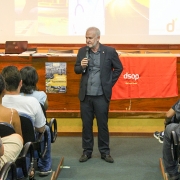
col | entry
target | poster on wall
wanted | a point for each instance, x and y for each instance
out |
(56, 77)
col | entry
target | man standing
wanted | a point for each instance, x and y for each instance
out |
(100, 67)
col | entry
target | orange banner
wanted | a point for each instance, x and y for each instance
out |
(146, 77)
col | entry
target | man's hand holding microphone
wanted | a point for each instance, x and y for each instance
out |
(84, 62)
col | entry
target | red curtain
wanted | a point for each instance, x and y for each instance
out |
(146, 77)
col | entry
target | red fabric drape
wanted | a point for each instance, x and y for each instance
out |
(147, 77)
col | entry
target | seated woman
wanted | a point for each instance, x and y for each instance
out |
(10, 148)
(29, 85)
(8, 115)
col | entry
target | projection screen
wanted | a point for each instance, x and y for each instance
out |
(65, 21)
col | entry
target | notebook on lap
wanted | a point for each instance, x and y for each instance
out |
(15, 47)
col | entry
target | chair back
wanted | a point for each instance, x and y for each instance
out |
(52, 125)
(27, 128)
(29, 135)
(6, 129)
(44, 111)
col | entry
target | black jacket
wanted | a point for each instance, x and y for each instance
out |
(110, 70)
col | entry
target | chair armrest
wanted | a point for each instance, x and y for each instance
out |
(21, 162)
(37, 145)
(6, 168)
(53, 129)
(174, 145)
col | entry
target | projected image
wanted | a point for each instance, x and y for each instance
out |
(73, 17)
(26, 17)
(85, 13)
(65, 21)
(164, 17)
(41, 17)
(127, 18)
(56, 78)
(53, 17)
(58, 17)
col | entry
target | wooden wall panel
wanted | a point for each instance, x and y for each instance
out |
(67, 104)
(60, 101)
(17, 61)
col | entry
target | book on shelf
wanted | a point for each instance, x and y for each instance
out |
(27, 53)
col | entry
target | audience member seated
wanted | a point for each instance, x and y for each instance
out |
(29, 106)
(29, 88)
(10, 148)
(8, 115)
(171, 164)
(29, 85)
(170, 118)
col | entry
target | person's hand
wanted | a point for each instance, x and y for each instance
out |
(84, 63)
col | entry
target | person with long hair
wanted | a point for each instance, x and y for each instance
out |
(30, 79)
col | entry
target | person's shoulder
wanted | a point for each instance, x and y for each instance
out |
(15, 114)
(177, 106)
(105, 47)
(5, 110)
(39, 92)
(7, 113)
(30, 99)
(173, 107)
(82, 49)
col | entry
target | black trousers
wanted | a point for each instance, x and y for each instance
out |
(95, 107)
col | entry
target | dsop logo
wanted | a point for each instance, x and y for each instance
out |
(131, 76)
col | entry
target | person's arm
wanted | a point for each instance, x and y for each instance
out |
(1, 148)
(169, 115)
(40, 119)
(46, 104)
(81, 62)
(117, 67)
(177, 110)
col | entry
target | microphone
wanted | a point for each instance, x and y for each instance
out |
(87, 52)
